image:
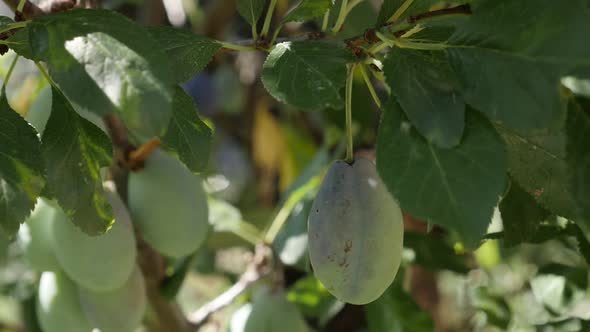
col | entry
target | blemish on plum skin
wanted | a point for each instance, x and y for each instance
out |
(344, 264)
(348, 246)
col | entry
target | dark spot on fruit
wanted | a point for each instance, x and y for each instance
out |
(344, 263)
(348, 246)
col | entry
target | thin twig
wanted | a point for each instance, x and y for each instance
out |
(259, 267)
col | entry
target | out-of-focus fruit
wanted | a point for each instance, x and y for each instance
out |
(99, 263)
(119, 310)
(169, 206)
(58, 307)
(35, 236)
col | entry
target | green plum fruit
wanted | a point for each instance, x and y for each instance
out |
(168, 204)
(355, 233)
(36, 239)
(58, 307)
(118, 310)
(99, 263)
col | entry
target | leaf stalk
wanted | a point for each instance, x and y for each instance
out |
(341, 16)
(268, 18)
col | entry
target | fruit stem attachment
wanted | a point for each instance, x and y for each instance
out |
(348, 111)
(138, 156)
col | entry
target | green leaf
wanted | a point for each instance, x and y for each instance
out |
(105, 63)
(21, 168)
(549, 290)
(396, 311)
(311, 297)
(75, 150)
(388, 8)
(308, 9)
(434, 253)
(307, 75)
(5, 21)
(577, 149)
(358, 20)
(455, 188)
(547, 164)
(19, 43)
(426, 88)
(508, 61)
(494, 306)
(521, 216)
(187, 53)
(250, 10)
(187, 135)
(291, 242)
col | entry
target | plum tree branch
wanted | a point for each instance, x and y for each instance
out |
(29, 10)
(258, 268)
(370, 35)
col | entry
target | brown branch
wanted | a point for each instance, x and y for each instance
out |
(30, 10)
(458, 10)
(258, 268)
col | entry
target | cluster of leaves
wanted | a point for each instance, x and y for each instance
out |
(476, 103)
(99, 63)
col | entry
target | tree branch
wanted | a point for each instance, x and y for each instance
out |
(258, 268)
(369, 36)
(30, 10)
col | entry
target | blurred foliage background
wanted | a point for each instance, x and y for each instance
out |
(264, 153)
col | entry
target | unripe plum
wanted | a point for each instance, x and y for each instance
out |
(99, 263)
(355, 232)
(119, 310)
(58, 307)
(36, 239)
(169, 206)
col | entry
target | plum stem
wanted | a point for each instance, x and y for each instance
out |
(348, 111)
